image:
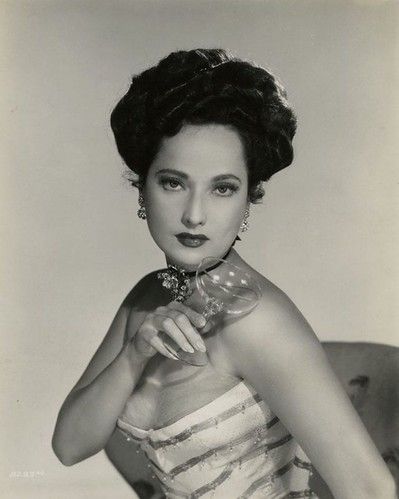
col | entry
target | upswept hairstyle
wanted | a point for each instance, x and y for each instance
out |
(205, 86)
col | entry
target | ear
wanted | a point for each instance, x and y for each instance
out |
(256, 193)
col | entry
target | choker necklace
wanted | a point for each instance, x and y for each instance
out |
(177, 279)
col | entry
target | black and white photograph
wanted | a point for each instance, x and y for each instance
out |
(200, 280)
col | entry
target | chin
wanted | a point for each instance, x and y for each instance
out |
(190, 258)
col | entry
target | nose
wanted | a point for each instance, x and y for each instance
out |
(194, 211)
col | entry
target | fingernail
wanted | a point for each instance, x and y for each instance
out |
(188, 348)
(201, 346)
(171, 352)
(202, 321)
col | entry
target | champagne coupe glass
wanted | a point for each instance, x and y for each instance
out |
(223, 288)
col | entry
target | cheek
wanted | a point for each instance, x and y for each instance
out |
(156, 206)
(157, 215)
(158, 221)
(228, 219)
(164, 212)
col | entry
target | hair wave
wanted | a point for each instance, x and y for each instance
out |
(205, 86)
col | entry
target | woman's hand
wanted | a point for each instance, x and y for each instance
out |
(177, 321)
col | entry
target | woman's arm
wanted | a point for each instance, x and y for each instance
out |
(280, 356)
(87, 417)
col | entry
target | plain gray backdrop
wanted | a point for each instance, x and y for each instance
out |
(72, 245)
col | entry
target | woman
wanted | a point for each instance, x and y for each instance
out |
(201, 131)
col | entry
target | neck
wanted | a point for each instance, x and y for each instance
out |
(181, 281)
(230, 254)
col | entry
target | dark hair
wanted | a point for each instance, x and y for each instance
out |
(205, 86)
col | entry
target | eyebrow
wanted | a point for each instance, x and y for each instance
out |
(224, 176)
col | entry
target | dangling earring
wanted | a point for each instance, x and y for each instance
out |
(245, 224)
(141, 211)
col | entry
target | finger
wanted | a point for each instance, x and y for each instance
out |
(189, 331)
(167, 325)
(159, 345)
(196, 318)
(161, 309)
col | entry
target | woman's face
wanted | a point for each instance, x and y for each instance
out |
(197, 186)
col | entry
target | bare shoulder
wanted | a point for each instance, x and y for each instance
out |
(129, 316)
(279, 312)
(275, 313)
(144, 297)
(274, 332)
(143, 292)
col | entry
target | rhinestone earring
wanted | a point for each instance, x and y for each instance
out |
(245, 224)
(141, 211)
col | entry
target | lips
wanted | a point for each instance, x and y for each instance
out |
(191, 240)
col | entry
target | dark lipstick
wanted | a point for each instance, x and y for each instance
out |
(191, 240)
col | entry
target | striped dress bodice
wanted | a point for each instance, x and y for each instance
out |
(233, 447)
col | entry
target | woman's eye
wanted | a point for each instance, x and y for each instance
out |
(170, 184)
(226, 189)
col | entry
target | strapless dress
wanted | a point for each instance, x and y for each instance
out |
(232, 447)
